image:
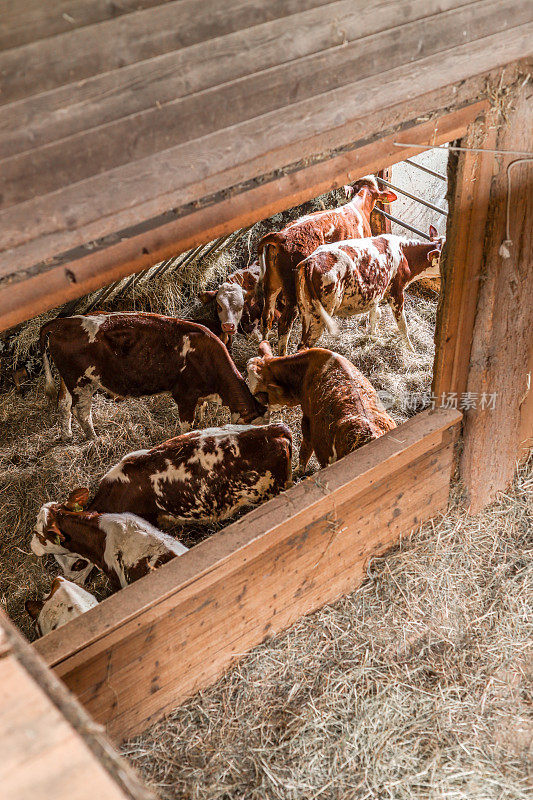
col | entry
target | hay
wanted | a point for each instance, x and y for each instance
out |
(417, 685)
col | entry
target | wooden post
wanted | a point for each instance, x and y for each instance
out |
(485, 319)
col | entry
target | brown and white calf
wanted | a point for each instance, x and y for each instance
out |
(130, 355)
(205, 475)
(124, 546)
(65, 601)
(280, 253)
(341, 410)
(354, 276)
(238, 303)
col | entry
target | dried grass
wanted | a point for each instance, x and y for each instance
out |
(417, 685)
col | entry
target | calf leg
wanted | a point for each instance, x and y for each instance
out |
(64, 402)
(271, 289)
(82, 400)
(286, 321)
(373, 317)
(397, 305)
(306, 448)
(186, 407)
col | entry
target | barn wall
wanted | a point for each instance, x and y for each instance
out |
(117, 129)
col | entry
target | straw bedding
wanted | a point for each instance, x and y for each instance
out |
(417, 685)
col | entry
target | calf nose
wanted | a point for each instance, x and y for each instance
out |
(228, 327)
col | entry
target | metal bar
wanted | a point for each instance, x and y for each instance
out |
(426, 169)
(413, 197)
(403, 224)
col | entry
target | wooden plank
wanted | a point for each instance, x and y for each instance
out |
(43, 754)
(130, 137)
(469, 179)
(143, 650)
(502, 344)
(108, 203)
(26, 21)
(56, 114)
(82, 270)
(81, 53)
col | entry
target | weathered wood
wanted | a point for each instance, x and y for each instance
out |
(108, 203)
(502, 343)
(143, 650)
(50, 746)
(469, 180)
(114, 43)
(155, 82)
(31, 20)
(45, 168)
(46, 285)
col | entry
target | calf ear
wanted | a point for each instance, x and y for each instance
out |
(53, 533)
(34, 607)
(349, 191)
(433, 232)
(265, 349)
(78, 499)
(432, 255)
(206, 297)
(386, 196)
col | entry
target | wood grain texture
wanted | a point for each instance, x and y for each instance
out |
(112, 44)
(502, 342)
(164, 124)
(43, 754)
(84, 269)
(159, 81)
(168, 635)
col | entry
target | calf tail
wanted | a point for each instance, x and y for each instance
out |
(49, 386)
(307, 296)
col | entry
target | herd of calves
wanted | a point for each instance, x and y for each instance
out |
(323, 264)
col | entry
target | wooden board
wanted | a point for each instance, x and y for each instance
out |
(501, 355)
(115, 123)
(44, 754)
(143, 650)
(84, 269)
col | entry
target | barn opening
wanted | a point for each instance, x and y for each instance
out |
(39, 467)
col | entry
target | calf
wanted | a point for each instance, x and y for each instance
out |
(281, 253)
(66, 601)
(237, 303)
(353, 277)
(141, 354)
(204, 475)
(341, 410)
(124, 546)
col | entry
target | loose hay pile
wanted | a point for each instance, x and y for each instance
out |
(418, 685)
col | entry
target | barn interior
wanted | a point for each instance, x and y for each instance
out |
(37, 466)
(367, 632)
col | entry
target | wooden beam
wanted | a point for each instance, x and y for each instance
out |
(501, 355)
(50, 746)
(80, 270)
(137, 655)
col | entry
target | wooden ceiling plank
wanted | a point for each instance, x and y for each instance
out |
(79, 54)
(47, 169)
(106, 204)
(49, 116)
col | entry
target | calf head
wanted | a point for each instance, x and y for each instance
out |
(48, 538)
(367, 188)
(65, 602)
(230, 299)
(266, 379)
(434, 255)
